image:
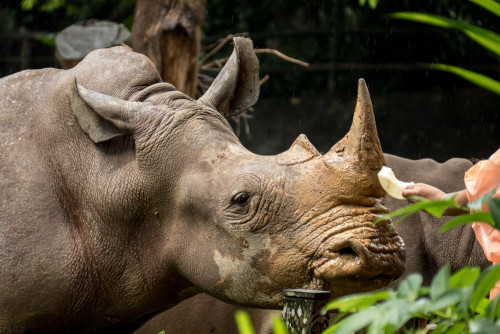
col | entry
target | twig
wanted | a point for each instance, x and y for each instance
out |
(264, 79)
(285, 57)
(219, 46)
(217, 62)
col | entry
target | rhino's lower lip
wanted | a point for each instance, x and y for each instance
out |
(349, 281)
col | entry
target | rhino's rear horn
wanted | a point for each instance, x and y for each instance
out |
(301, 150)
(361, 145)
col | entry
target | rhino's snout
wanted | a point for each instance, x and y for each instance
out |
(361, 264)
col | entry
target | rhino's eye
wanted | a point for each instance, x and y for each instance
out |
(241, 199)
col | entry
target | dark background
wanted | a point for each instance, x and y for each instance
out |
(420, 112)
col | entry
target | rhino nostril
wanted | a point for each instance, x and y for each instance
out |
(347, 251)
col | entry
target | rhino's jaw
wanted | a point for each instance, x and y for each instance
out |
(360, 264)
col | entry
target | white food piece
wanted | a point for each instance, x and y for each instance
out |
(391, 184)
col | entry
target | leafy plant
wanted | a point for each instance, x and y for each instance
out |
(452, 304)
(244, 324)
(372, 3)
(486, 38)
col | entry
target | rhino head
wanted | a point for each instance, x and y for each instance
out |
(239, 226)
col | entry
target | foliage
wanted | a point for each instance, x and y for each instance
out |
(371, 3)
(54, 15)
(244, 324)
(478, 79)
(486, 38)
(452, 304)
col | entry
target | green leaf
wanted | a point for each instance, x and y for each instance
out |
(28, 4)
(487, 39)
(463, 307)
(408, 288)
(361, 2)
(481, 201)
(52, 5)
(279, 326)
(466, 219)
(393, 315)
(481, 307)
(494, 204)
(478, 79)
(373, 3)
(458, 327)
(493, 309)
(435, 208)
(47, 39)
(484, 284)
(489, 5)
(442, 327)
(441, 282)
(464, 277)
(354, 322)
(355, 302)
(243, 322)
(445, 300)
(483, 326)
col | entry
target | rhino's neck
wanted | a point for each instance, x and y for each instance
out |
(105, 198)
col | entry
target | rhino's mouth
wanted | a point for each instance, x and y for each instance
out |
(360, 264)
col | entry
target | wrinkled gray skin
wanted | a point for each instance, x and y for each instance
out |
(121, 197)
(427, 251)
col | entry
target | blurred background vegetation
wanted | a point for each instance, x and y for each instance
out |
(420, 112)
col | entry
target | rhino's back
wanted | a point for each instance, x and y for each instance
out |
(447, 176)
(27, 201)
(426, 249)
(23, 118)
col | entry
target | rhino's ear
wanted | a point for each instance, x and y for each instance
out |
(236, 87)
(101, 117)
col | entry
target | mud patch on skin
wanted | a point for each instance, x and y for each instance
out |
(261, 260)
(242, 272)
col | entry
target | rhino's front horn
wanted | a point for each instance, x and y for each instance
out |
(361, 146)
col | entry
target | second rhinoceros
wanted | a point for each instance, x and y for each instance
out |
(122, 197)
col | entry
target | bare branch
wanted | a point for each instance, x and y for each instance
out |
(285, 57)
(217, 62)
(264, 79)
(217, 47)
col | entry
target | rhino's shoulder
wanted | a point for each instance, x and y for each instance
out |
(448, 175)
(116, 71)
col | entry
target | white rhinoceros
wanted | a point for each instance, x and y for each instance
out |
(121, 197)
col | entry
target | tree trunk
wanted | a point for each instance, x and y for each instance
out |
(169, 33)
